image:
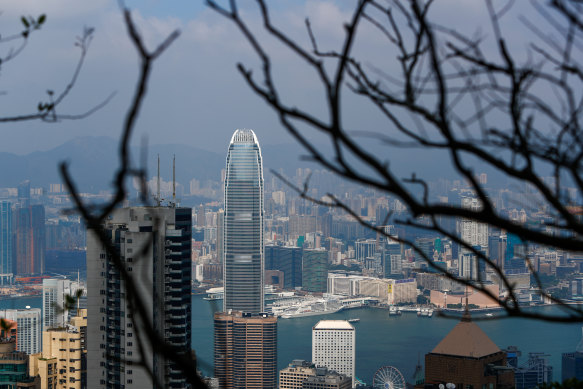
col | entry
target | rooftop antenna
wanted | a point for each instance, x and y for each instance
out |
(158, 183)
(78, 297)
(174, 180)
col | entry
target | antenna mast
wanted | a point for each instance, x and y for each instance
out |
(158, 184)
(174, 179)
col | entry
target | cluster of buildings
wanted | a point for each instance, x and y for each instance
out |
(139, 282)
(46, 348)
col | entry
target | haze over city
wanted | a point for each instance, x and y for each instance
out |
(313, 195)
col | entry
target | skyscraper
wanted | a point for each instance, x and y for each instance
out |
(28, 328)
(315, 270)
(334, 345)
(288, 260)
(54, 292)
(5, 241)
(154, 244)
(29, 239)
(474, 234)
(246, 350)
(243, 230)
(245, 338)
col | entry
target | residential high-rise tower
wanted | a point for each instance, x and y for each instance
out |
(28, 328)
(154, 244)
(54, 296)
(243, 264)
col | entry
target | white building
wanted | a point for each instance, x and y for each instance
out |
(473, 234)
(334, 345)
(28, 328)
(54, 292)
(365, 248)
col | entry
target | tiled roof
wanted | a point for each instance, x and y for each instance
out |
(466, 340)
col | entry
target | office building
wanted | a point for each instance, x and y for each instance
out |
(535, 373)
(154, 245)
(29, 240)
(334, 346)
(63, 360)
(243, 229)
(294, 375)
(5, 243)
(14, 368)
(572, 363)
(28, 328)
(245, 338)
(54, 297)
(301, 374)
(315, 270)
(288, 260)
(327, 379)
(245, 350)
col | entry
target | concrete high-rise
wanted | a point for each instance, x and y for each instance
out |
(63, 358)
(54, 295)
(5, 242)
(243, 266)
(245, 350)
(29, 239)
(28, 328)
(475, 235)
(334, 346)
(154, 244)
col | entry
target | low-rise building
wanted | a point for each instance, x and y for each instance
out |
(293, 376)
(327, 379)
(62, 362)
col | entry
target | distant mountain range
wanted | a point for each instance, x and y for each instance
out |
(93, 161)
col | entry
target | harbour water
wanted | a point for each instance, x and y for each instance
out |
(380, 340)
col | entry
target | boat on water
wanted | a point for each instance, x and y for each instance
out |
(394, 311)
(425, 312)
(354, 320)
(306, 307)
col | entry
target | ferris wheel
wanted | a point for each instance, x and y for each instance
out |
(388, 377)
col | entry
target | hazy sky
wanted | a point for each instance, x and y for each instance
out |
(196, 96)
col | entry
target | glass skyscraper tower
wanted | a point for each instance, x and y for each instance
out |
(243, 225)
(5, 237)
